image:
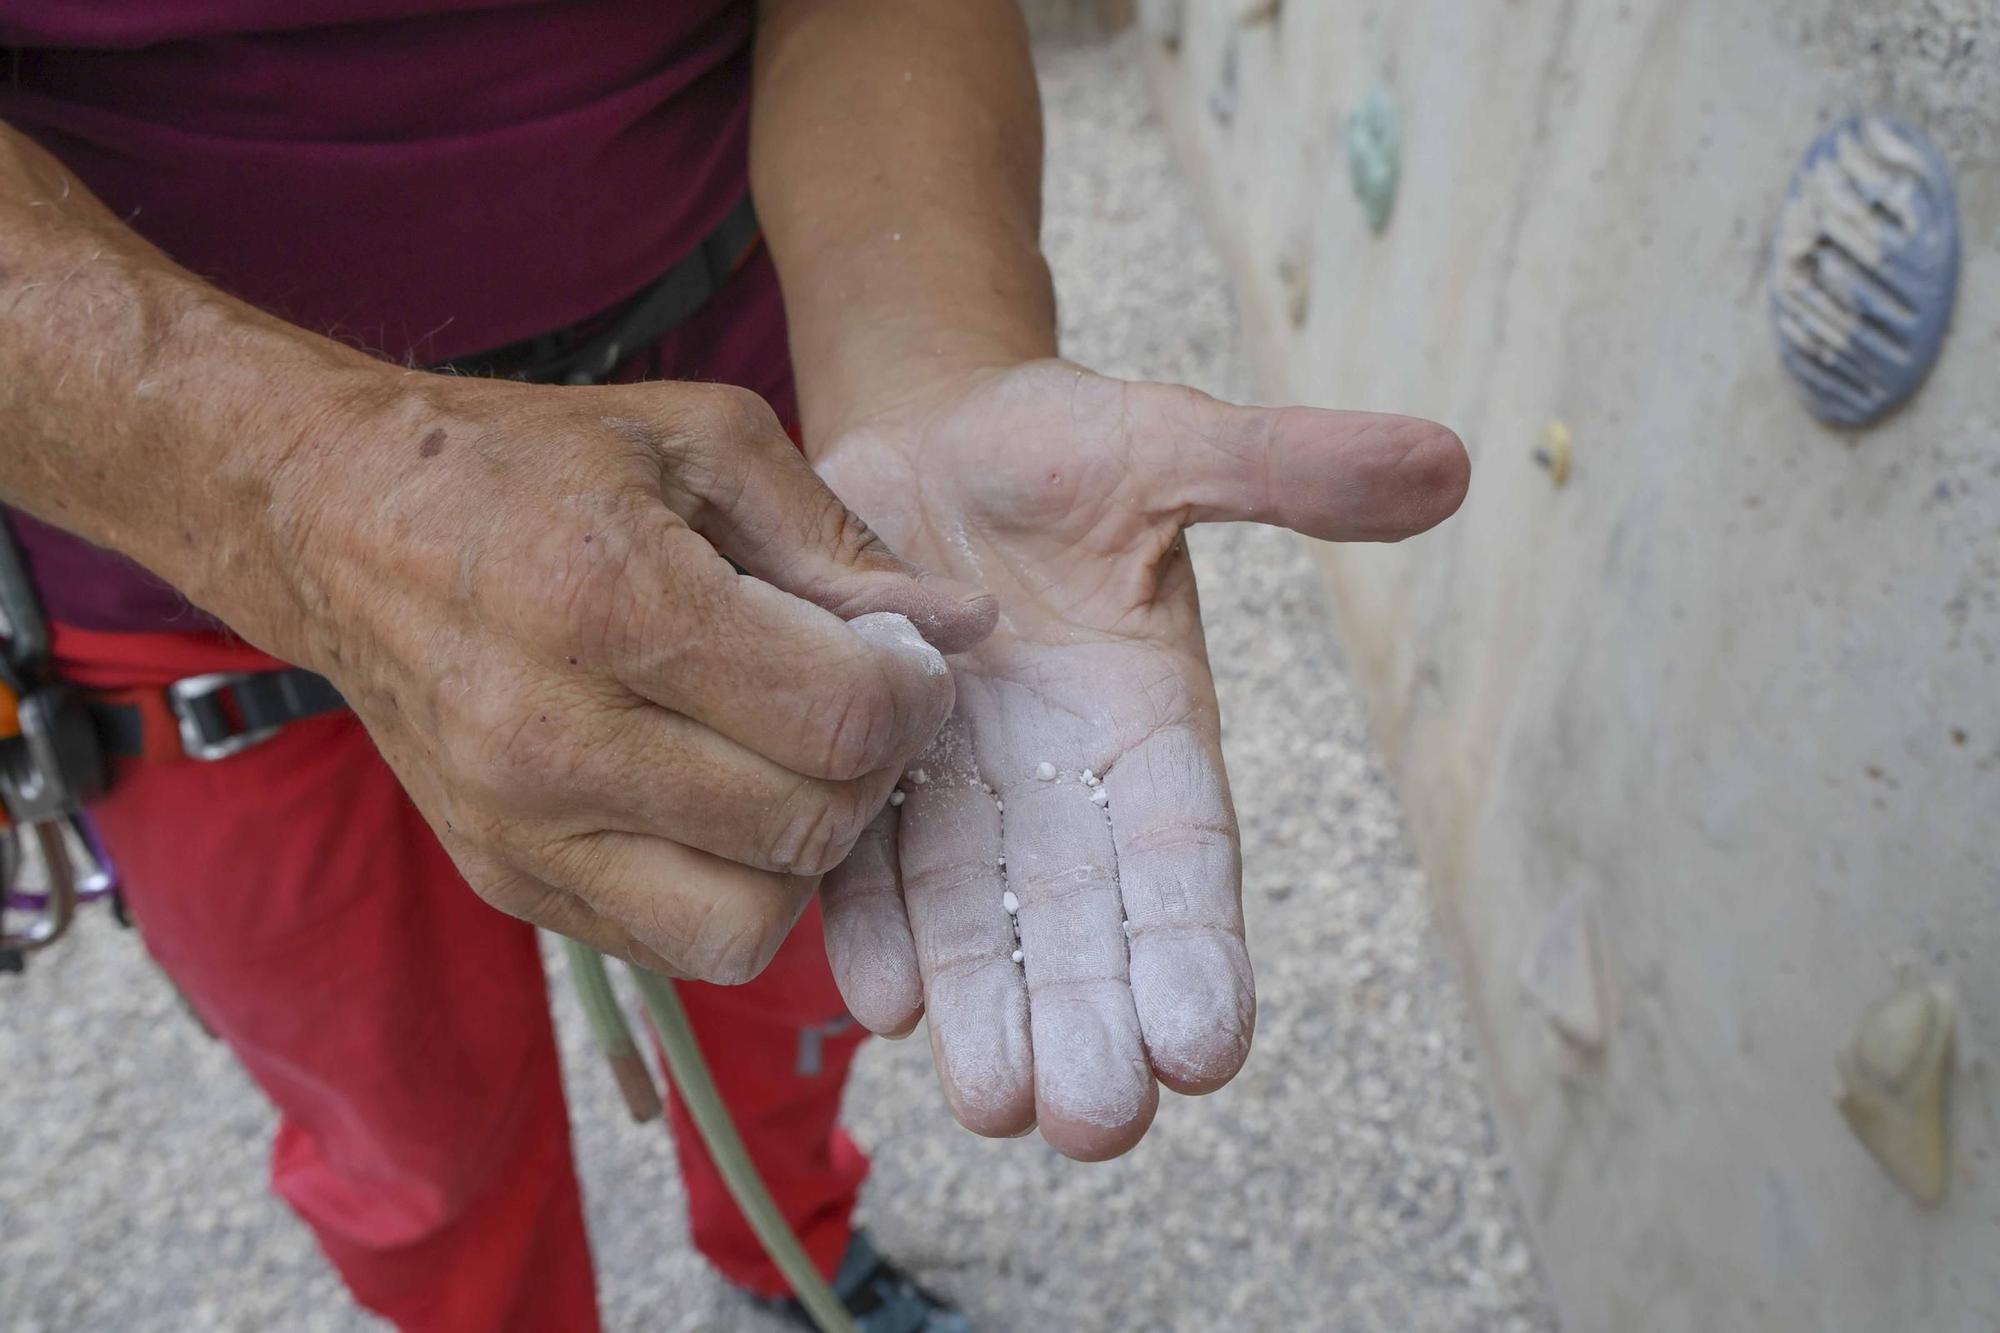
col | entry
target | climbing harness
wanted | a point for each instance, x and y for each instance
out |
(59, 746)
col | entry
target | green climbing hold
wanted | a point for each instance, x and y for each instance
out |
(1374, 148)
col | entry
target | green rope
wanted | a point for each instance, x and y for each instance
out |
(614, 1036)
(689, 1071)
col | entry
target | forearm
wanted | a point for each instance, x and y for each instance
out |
(896, 158)
(145, 410)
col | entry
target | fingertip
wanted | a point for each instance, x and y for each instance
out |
(1198, 1072)
(1095, 1094)
(1436, 472)
(900, 633)
(875, 969)
(958, 619)
(980, 1045)
(993, 1117)
(877, 983)
(867, 934)
(1086, 1141)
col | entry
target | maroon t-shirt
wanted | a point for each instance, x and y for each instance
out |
(421, 178)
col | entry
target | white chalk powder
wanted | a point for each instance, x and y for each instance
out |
(1017, 955)
(919, 776)
(1100, 797)
(1010, 902)
(1046, 771)
(895, 798)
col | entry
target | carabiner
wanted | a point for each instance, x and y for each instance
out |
(41, 886)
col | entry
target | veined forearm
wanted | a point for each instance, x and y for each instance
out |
(144, 409)
(896, 155)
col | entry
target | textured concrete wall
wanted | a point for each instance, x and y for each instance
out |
(1733, 692)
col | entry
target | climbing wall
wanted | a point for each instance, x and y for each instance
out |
(1696, 705)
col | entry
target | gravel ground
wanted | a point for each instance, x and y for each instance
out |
(1348, 1180)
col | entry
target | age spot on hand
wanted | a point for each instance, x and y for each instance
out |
(433, 444)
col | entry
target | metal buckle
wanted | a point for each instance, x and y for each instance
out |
(182, 695)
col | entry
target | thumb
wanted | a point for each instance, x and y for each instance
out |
(783, 525)
(1340, 476)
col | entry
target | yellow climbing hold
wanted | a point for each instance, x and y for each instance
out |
(1554, 453)
(1892, 1078)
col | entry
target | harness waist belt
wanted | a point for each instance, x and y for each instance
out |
(589, 350)
(211, 716)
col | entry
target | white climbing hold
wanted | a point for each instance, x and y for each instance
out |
(1017, 955)
(1089, 778)
(1563, 973)
(1010, 902)
(895, 798)
(1046, 771)
(919, 776)
(1892, 1077)
(1100, 797)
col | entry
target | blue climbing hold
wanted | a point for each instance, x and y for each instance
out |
(1864, 268)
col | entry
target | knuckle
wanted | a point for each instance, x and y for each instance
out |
(852, 737)
(817, 825)
(842, 533)
(735, 416)
(738, 939)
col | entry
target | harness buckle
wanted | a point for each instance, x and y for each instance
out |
(196, 703)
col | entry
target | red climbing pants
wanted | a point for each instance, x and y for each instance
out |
(401, 1026)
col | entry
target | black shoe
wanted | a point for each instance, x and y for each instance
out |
(880, 1297)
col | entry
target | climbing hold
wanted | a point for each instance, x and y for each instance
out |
(1864, 268)
(1554, 453)
(1374, 150)
(1222, 102)
(1162, 21)
(1892, 1077)
(1563, 975)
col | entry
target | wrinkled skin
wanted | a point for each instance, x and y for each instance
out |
(1065, 494)
(523, 592)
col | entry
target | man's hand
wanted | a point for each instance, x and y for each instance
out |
(1065, 494)
(527, 594)
(524, 594)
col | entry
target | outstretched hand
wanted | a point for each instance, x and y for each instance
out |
(1059, 885)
